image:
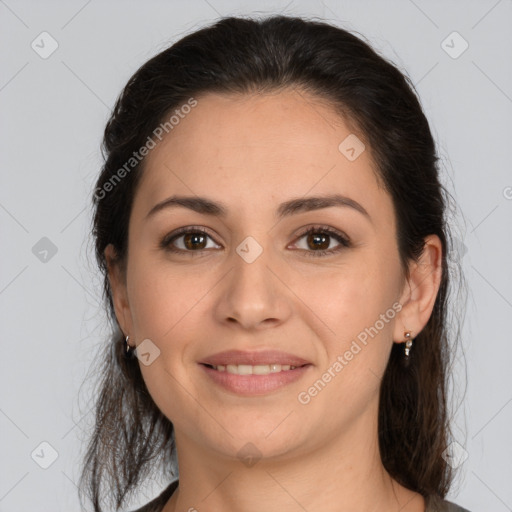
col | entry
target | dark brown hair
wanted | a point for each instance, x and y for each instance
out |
(246, 56)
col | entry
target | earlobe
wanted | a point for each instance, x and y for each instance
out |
(420, 291)
(117, 281)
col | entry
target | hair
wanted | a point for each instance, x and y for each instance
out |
(242, 56)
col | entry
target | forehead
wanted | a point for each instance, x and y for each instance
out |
(252, 147)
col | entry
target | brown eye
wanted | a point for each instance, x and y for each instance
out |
(187, 240)
(318, 239)
(194, 241)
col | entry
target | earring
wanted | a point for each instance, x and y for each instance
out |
(129, 350)
(408, 344)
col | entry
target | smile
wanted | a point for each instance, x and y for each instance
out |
(251, 380)
(247, 369)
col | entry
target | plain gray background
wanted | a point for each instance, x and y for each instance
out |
(53, 113)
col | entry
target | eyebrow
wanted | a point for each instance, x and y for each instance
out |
(304, 204)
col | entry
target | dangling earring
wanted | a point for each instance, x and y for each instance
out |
(129, 350)
(408, 344)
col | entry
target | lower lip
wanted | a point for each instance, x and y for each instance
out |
(250, 385)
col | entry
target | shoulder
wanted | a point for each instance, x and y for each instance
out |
(158, 503)
(437, 504)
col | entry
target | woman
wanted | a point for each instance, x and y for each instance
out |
(272, 233)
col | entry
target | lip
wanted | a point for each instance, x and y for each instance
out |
(253, 385)
(253, 358)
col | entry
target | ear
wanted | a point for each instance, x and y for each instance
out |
(420, 290)
(117, 279)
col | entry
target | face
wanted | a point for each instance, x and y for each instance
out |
(253, 279)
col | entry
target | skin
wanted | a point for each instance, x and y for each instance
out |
(252, 153)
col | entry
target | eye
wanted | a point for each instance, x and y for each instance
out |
(188, 239)
(194, 239)
(319, 239)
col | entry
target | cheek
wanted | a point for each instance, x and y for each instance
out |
(163, 296)
(166, 305)
(344, 299)
(353, 309)
(355, 354)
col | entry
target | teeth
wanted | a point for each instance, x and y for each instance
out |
(260, 369)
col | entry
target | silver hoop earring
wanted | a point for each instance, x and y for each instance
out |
(408, 344)
(129, 352)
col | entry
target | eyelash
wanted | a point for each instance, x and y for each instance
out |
(166, 243)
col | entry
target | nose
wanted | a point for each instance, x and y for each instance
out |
(253, 294)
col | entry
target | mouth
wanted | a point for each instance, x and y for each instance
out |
(254, 380)
(251, 373)
(248, 369)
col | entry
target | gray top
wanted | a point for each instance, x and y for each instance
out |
(432, 503)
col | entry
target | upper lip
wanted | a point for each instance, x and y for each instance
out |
(253, 358)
